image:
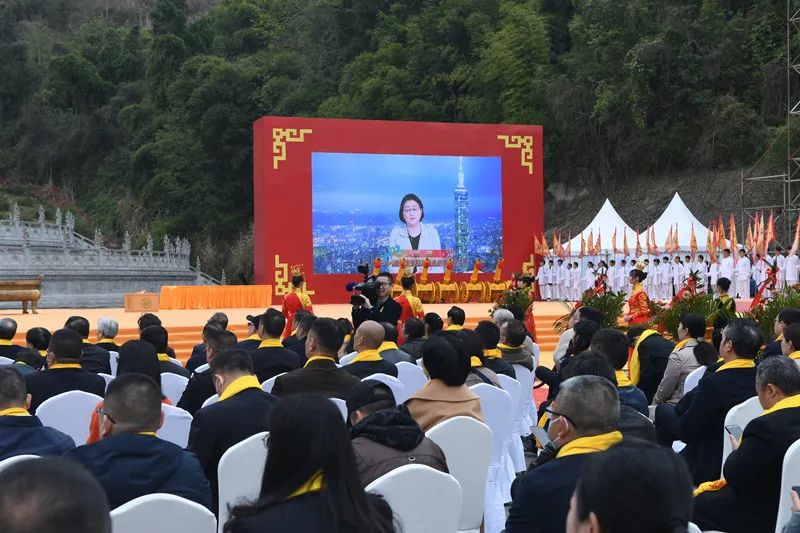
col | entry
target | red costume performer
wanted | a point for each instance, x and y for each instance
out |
(295, 301)
(638, 302)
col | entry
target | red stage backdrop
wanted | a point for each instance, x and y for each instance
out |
(304, 166)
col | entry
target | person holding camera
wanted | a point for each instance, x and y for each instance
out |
(380, 306)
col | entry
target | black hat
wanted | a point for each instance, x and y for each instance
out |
(255, 320)
(367, 392)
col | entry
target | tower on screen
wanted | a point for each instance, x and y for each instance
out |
(460, 197)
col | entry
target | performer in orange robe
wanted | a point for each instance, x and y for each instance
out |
(295, 301)
(638, 302)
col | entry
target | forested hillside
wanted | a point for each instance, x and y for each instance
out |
(140, 111)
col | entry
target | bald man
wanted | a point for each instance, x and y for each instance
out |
(368, 360)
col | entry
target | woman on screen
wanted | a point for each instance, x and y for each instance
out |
(414, 235)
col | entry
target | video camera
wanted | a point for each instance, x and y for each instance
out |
(368, 287)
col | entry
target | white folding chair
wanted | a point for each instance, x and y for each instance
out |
(739, 415)
(162, 513)
(525, 378)
(693, 378)
(516, 453)
(268, 384)
(239, 474)
(113, 360)
(497, 413)
(202, 368)
(412, 377)
(347, 358)
(468, 464)
(790, 476)
(69, 412)
(342, 405)
(210, 400)
(422, 499)
(398, 390)
(177, 423)
(173, 385)
(5, 463)
(108, 377)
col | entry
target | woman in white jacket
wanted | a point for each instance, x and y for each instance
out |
(414, 235)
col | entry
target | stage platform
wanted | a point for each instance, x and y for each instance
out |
(185, 326)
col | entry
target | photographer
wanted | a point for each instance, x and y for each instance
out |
(376, 304)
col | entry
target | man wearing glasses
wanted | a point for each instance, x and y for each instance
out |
(383, 308)
(583, 420)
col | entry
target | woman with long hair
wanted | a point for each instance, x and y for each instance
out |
(311, 482)
(638, 302)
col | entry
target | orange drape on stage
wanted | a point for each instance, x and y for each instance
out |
(215, 297)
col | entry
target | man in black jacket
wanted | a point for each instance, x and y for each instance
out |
(414, 335)
(201, 385)
(303, 327)
(158, 337)
(8, 328)
(383, 308)
(198, 355)
(253, 339)
(242, 411)
(785, 318)
(653, 351)
(748, 501)
(320, 374)
(271, 358)
(293, 339)
(489, 333)
(702, 410)
(94, 359)
(64, 372)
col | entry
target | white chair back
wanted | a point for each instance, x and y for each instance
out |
(240, 471)
(423, 499)
(202, 368)
(525, 378)
(790, 477)
(6, 361)
(177, 423)
(739, 415)
(69, 412)
(108, 377)
(113, 360)
(268, 384)
(693, 378)
(693, 528)
(173, 385)
(468, 464)
(516, 451)
(347, 358)
(162, 513)
(176, 361)
(412, 376)
(342, 405)
(210, 400)
(398, 390)
(5, 463)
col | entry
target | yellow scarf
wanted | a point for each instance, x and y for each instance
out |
(164, 357)
(622, 379)
(795, 355)
(15, 411)
(347, 338)
(475, 362)
(595, 443)
(56, 366)
(4, 342)
(635, 368)
(105, 340)
(318, 358)
(779, 337)
(305, 300)
(86, 341)
(493, 354)
(253, 337)
(43, 353)
(315, 484)
(501, 346)
(453, 327)
(366, 356)
(681, 344)
(238, 385)
(271, 343)
(148, 433)
(737, 363)
(386, 345)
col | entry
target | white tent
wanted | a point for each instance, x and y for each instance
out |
(605, 222)
(677, 213)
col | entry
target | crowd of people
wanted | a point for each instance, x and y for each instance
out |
(602, 460)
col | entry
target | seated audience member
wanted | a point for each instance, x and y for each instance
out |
(583, 420)
(311, 481)
(302, 332)
(478, 372)
(271, 358)
(38, 339)
(433, 324)
(613, 345)
(702, 410)
(21, 433)
(8, 328)
(489, 334)
(746, 500)
(94, 358)
(320, 374)
(512, 340)
(447, 364)
(791, 342)
(414, 333)
(293, 339)
(455, 319)
(632, 487)
(198, 356)
(64, 372)
(649, 359)
(683, 360)
(582, 313)
(242, 411)
(253, 338)
(388, 348)
(201, 385)
(368, 360)
(135, 357)
(130, 460)
(584, 331)
(28, 361)
(347, 341)
(107, 330)
(159, 338)
(785, 318)
(529, 348)
(54, 496)
(385, 436)
(149, 319)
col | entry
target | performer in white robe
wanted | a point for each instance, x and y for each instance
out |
(678, 272)
(781, 279)
(726, 268)
(589, 277)
(655, 272)
(713, 276)
(612, 275)
(541, 280)
(790, 267)
(743, 272)
(576, 281)
(622, 276)
(665, 280)
(760, 273)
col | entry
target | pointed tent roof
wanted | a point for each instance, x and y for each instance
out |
(677, 213)
(606, 221)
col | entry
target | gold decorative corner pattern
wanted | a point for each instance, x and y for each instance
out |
(529, 265)
(525, 144)
(280, 138)
(282, 283)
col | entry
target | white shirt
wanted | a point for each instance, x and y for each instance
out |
(726, 268)
(428, 238)
(677, 273)
(665, 273)
(790, 267)
(743, 269)
(714, 273)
